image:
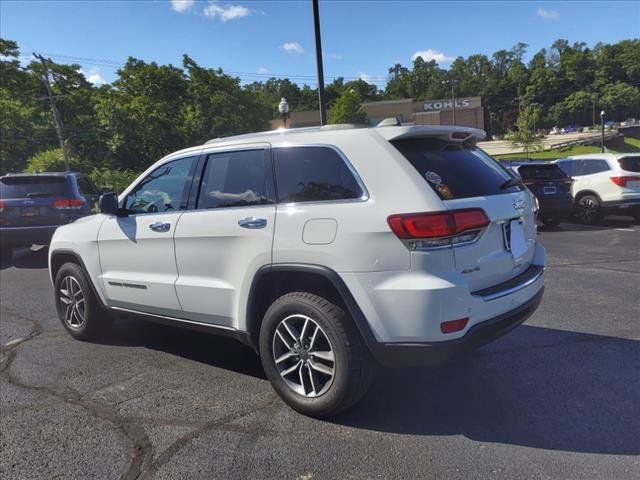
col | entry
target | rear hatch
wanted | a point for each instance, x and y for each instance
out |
(466, 178)
(630, 177)
(546, 181)
(35, 200)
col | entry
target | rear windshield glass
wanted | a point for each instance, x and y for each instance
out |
(541, 172)
(630, 164)
(454, 170)
(32, 187)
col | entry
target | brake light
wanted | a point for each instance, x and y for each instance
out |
(453, 325)
(459, 135)
(68, 204)
(1, 207)
(440, 228)
(622, 181)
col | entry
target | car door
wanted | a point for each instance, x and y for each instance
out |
(228, 236)
(137, 254)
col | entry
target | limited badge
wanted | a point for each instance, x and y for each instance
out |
(433, 177)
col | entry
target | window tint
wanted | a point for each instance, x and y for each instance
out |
(630, 164)
(568, 167)
(589, 167)
(164, 190)
(454, 170)
(313, 174)
(235, 179)
(32, 187)
(86, 187)
(541, 172)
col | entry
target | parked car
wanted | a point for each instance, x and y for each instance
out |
(33, 205)
(604, 183)
(550, 185)
(326, 249)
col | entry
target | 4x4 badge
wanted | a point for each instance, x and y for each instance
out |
(518, 204)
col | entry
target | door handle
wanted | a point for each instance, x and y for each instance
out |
(160, 227)
(252, 222)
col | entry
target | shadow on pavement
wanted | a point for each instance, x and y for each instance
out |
(34, 257)
(538, 387)
(214, 350)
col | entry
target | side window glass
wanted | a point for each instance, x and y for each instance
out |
(313, 174)
(166, 189)
(86, 187)
(567, 167)
(236, 179)
(603, 166)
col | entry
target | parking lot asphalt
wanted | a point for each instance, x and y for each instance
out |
(559, 397)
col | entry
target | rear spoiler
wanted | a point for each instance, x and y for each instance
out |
(444, 132)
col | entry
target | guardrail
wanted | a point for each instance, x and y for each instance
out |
(595, 138)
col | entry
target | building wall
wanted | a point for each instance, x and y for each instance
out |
(469, 113)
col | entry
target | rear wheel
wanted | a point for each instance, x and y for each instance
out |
(313, 355)
(636, 214)
(6, 253)
(78, 308)
(589, 209)
(551, 221)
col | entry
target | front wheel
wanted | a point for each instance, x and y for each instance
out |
(78, 307)
(313, 355)
(589, 210)
(551, 221)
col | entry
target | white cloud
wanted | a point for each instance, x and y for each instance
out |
(93, 76)
(335, 56)
(430, 54)
(548, 14)
(292, 47)
(181, 5)
(225, 12)
(263, 70)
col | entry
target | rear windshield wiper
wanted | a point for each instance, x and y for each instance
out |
(512, 182)
(37, 194)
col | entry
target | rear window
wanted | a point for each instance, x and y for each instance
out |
(32, 187)
(541, 172)
(455, 170)
(630, 164)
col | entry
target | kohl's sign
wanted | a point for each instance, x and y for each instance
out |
(437, 105)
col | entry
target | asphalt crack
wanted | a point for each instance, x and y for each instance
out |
(135, 433)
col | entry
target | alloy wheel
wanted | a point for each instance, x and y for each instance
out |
(588, 210)
(303, 355)
(72, 302)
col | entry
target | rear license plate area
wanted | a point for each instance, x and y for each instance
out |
(29, 211)
(549, 190)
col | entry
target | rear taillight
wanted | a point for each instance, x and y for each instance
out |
(622, 181)
(1, 207)
(439, 229)
(68, 204)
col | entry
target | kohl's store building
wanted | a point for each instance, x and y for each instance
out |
(468, 113)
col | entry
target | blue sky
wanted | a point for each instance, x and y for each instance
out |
(256, 39)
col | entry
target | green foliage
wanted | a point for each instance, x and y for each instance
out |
(620, 100)
(113, 179)
(53, 161)
(348, 109)
(525, 135)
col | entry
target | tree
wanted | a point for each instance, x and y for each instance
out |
(525, 135)
(348, 109)
(620, 101)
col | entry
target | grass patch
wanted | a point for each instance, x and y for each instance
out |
(630, 145)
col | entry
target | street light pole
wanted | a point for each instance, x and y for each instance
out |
(316, 25)
(602, 127)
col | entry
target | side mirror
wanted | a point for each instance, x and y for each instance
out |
(108, 203)
(104, 190)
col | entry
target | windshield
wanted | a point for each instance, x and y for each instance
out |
(454, 170)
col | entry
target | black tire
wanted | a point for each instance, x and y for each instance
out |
(589, 209)
(86, 320)
(6, 253)
(353, 368)
(636, 214)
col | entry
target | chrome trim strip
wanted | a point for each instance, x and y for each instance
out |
(514, 289)
(178, 320)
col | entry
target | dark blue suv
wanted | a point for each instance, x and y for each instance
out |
(550, 185)
(33, 205)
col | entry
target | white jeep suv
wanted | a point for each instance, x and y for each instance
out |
(328, 250)
(604, 182)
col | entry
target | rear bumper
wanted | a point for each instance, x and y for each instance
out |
(555, 207)
(439, 353)
(18, 236)
(631, 202)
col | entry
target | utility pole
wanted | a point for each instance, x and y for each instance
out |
(56, 115)
(316, 25)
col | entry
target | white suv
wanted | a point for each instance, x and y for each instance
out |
(604, 182)
(328, 250)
